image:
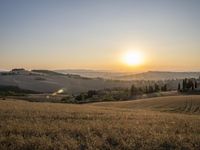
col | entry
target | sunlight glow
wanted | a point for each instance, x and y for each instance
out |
(133, 58)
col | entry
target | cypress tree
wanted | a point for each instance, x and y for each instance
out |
(184, 84)
(195, 84)
(179, 87)
(151, 90)
(133, 90)
(156, 87)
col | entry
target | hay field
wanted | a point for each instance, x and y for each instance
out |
(159, 123)
(189, 104)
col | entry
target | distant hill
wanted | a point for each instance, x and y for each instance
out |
(94, 73)
(47, 81)
(150, 75)
(50, 81)
(1, 70)
(159, 75)
(47, 72)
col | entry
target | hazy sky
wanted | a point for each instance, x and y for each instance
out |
(94, 34)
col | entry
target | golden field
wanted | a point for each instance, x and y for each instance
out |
(171, 122)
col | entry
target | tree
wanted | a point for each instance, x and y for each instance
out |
(146, 90)
(164, 87)
(151, 90)
(90, 93)
(184, 84)
(190, 84)
(179, 87)
(80, 97)
(133, 90)
(156, 87)
(195, 84)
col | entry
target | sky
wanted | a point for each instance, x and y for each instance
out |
(95, 34)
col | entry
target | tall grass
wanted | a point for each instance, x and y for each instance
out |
(45, 126)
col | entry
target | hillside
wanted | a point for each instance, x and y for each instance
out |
(94, 73)
(150, 75)
(184, 104)
(129, 125)
(46, 81)
(159, 75)
(49, 81)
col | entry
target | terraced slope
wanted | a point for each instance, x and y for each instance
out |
(185, 104)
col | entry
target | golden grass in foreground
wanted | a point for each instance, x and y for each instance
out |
(26, 125)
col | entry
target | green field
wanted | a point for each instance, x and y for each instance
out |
(156, 123)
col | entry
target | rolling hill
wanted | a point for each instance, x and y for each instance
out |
(94, 73)
(46, 81)
(160, 75)
(49, 81)
(150, 75)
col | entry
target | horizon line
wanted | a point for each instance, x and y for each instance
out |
(102, 70)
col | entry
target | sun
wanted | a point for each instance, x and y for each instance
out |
(133, 58)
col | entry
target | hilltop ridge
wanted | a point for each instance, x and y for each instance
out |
(149, 75)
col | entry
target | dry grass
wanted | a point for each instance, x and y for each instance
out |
(183, 104)
(26, 125)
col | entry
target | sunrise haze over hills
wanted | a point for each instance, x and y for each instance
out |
(99, 74)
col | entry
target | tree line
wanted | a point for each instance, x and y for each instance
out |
(188, 85)
(147, 89)
(120, 93)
